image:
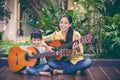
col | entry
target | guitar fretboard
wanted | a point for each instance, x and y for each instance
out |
(83, 39)
(40, 55)
(64, 46)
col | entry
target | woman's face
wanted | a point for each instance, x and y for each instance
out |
(64, 24)
(36, 42)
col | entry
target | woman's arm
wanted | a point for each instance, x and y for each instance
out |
(50, 37)
(48, 48)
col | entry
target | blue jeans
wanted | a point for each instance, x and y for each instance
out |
(68, 67)
(36, 69)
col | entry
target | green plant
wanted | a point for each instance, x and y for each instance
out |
(6, 45)
(99, 19)
(46, 18)
(111, 36)
(4, 13)
(49, 16)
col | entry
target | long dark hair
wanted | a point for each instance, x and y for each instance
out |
(69, 36)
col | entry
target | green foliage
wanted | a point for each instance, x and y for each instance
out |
(49, 16)
(4, 13)
(111, 36)
(7, 45)
(46, 19)
(102, 20)
(78, 19)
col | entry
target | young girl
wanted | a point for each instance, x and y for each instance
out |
(43, 67)
(74, 62)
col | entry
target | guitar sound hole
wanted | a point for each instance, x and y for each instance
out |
(27, 57)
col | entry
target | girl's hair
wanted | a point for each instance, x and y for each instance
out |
(69, 35)
(36, 34)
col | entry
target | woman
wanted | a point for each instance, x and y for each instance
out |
(74, 62)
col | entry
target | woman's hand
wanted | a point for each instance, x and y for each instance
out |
(50, 49)
(47, 48)
(76, 43)
(76, 46)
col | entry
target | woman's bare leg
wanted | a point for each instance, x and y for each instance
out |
(57, 71)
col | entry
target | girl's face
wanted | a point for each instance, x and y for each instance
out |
(36, 42)
(64, 24)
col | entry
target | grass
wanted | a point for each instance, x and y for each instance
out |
(6, 45)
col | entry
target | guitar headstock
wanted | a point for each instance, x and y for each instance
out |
(86, 39)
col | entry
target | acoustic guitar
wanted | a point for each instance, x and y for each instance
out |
(60, 44)
(18, 59)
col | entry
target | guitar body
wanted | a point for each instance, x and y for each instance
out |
(56, 43)
(17, 59)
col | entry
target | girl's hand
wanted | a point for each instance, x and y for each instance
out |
(24, 48)
(30, 53)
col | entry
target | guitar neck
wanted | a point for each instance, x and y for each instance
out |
(45, 55)
(83, 39)
(64, 46)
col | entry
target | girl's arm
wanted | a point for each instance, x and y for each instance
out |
(24, 48)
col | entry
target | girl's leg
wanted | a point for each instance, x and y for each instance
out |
(45, 73)
(37, 69)
(24, 72)
(57, 64)
(43, 67)
(80, 65)
(43, 70)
